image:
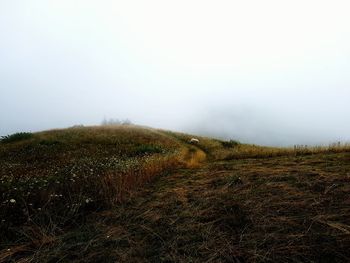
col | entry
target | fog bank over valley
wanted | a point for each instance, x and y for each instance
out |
(270, 73)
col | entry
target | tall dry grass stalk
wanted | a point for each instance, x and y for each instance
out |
(251, 151)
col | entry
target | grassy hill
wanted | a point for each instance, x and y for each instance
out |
(137, 194)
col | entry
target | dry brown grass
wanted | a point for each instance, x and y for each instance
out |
(214, 203)
(243, 151)
(254, 210)
(53, 177)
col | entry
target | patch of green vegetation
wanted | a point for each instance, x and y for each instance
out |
(229, 144)
(19, 136)
(148, 149)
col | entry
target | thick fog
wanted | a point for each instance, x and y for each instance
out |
(264, 72)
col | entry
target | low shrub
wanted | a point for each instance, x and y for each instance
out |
(19, 136)
(229, 144)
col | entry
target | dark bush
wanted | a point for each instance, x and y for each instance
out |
(229, 144)
(19, 136)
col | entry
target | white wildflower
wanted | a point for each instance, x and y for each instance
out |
(12, 201)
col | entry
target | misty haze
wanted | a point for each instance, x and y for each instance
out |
(175, 131)
(267, 73)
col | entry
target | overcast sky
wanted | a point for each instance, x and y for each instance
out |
(265, 72)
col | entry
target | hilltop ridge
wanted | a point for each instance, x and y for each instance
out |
(137, 194)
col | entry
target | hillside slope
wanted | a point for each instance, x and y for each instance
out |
(145, 195)
(51, 178)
